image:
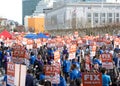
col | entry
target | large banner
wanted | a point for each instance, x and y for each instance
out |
(92, 79)
(107, 61)
(52, 73)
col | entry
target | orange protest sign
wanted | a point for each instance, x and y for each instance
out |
(56, 55)
(29, 41)
(10, 73)
(73, 48)
(72, 51)
(92, 79)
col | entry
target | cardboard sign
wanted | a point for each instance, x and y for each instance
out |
(107, 61)
(56, 55)
(52, 73)
(92, 79)
(11, 74)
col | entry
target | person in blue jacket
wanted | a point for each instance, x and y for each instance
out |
(32, 58)
(66, 67)
(101, 50)
(97, 60)
(74, 61)
(42, 78)
(75, 75)
(62, 82)
(106, 80)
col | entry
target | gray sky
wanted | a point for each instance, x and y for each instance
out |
(11, 9)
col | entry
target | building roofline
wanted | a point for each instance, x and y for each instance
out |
(84, 4)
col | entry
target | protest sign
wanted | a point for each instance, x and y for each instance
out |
(19, 53)
(11, 74)
(72, 51)
(107, 61)
(92, 79)
(16, 74)
(56, 56)
(52, 73)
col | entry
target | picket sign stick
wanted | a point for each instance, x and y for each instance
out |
(19, 74)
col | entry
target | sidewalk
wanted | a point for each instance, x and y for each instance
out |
(1, 78)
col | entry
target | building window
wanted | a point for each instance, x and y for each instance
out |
(110, 20)
(89, 15)
(102, 14)
(109, 14)
(117, 20)
(95, 14)
(89, 20)
(117, 14)
(95, 20)
(103, 20)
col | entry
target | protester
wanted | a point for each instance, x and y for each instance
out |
(75, 76)
(106, 80)
(1, 55)
(29, 79)
(32, 58)
(71, 66)
(38, 66)
(66, 67)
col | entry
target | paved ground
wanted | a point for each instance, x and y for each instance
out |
(1, 78)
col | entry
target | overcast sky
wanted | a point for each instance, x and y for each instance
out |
(12, 9)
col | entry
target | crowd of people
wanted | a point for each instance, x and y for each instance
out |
(70, 69)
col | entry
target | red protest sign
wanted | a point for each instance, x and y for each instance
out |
(18, 51)
(73, 48)
(52, 73)
(107, 61)
(10, 73)
(92, 79)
